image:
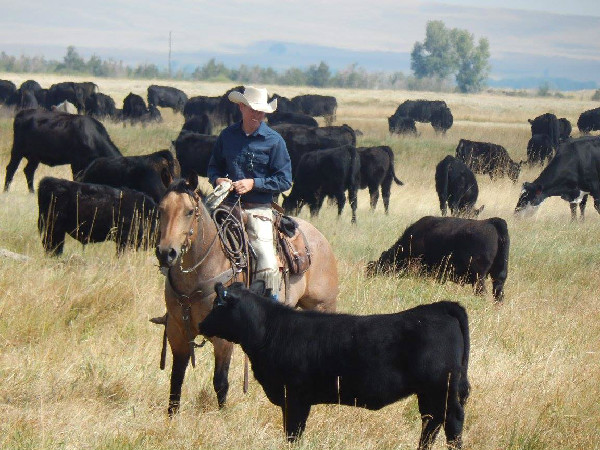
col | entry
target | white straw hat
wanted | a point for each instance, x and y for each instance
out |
(255, 98)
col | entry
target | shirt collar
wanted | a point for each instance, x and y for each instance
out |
(261, 130)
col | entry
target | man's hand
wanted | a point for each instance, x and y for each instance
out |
(243, 186)
(220, 181)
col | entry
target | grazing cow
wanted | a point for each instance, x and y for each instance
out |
(402, 125)
(27, 100)
(30, 85)
(285, 105)
(304, 358)
(435, 112)
(54, 138)
(134, 110)
(279, 117)
(377, 169)
(589, 121)
(100, 106)
(65, 107)
(193, 151)
(317, 105)
(151, 174)
(93, 213)
(300, 139)
(7, 88)
(326, 173)
(198, 124)
(441, 119)
(547, 124)
(456, 187)
(572, 174)
(167, 97)
(220, 109)
(199, 105)
(565, 129)
(539, 148)
(463, 250)
(76, 93)
(487, 158)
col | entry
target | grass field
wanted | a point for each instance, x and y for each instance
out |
(79, 359)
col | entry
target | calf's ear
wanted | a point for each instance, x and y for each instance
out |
(221, 292)
(258, 287)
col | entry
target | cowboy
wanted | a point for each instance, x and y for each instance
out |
(251, 161)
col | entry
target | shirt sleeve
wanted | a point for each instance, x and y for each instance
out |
(280, 177)
(217, 165)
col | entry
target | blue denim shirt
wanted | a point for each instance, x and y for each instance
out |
(262, 156)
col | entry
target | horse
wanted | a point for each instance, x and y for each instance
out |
(191, 255)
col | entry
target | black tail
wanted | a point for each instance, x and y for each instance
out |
(391, 155)
(460, 314)
(499, 269)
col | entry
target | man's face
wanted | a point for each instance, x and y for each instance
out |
(251, 116)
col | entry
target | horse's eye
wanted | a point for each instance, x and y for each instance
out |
(190, 213)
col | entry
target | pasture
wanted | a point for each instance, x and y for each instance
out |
(79, 360)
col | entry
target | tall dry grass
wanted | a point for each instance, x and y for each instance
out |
(79, 359)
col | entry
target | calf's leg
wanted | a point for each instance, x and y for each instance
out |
(223, 350)
(29, 171)
(295, 412)
(431, 407)
(11, 168)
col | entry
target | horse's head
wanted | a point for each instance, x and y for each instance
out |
(179, 210)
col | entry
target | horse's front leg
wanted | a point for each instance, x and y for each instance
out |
(181, 358)
(223, 350)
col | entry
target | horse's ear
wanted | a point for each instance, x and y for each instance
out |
(258, 287)
(192, 180)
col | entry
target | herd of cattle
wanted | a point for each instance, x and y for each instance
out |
(115, 197)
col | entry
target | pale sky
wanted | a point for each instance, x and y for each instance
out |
(542, 27)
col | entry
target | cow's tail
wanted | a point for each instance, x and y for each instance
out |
(460, 314)
(441, 185)
(390, 153)
(499, 269)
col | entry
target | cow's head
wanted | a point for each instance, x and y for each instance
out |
(232, 311)
(531, 197)
(291, 205)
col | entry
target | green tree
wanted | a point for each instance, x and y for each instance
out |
(73, 62)
(446, 52)
(318, 75)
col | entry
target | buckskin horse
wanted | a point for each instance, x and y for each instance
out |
(192, 255)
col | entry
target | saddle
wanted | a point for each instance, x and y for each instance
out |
(292, 247)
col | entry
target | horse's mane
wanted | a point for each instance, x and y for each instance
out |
(181, 186)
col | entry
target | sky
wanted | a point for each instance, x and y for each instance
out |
(514, 28)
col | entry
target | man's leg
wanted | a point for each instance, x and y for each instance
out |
(260, 235)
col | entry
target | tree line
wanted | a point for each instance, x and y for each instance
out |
(445, 53)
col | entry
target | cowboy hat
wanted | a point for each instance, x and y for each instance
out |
(255, 98)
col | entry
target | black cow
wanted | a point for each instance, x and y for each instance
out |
(572, 174)
(463, 250)
(167, 97)
(589, 120)
(441, 119)
(306, 358)
(547, 124)
(201, 104)
(487, 158)
(134, 110)
(221, 110)
(30, 85)
(29, 95)
(377, 169)
(285, 105)
(565, 128)
(198, 124)
(193, 152)
(100, 106)
(402, 125)
(301, 139)
(317, 105)
(435, 112)
(7, 88)
(279, 117)
(75, 93)
(539, 148)
(54, 138)
(326, 173)
(456, 187)
(150, 174)
(93, 213)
